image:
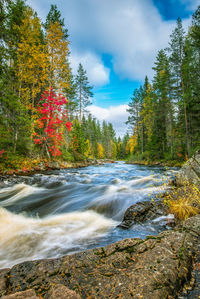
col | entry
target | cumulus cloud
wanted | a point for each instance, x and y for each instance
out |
(117, 115)
(97, 73)
(130, 31)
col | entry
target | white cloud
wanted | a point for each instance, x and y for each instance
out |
(191, 4)
(130, 31)
(97, 73)
(117, 115)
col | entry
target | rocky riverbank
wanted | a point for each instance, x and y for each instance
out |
(157, 163)
(156, 267)
(21, 175)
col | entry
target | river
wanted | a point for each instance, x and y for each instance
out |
(66, 211)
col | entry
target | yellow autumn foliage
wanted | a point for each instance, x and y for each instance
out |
(32, 59)
(133, 143)
(184, 202)
(58, 66)
(100, 151)
(114, 149)
(88, 149)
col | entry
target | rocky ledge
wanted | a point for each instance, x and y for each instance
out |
(156, 267)
(190, 172)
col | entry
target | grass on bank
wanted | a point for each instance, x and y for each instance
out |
(15, 163)
(146, 159)
(184, 201)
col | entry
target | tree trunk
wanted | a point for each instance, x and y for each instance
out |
(15, 140)
(142, 139)
(185, 117)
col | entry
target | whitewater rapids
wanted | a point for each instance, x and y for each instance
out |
(67, 211)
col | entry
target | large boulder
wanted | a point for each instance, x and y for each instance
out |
(190, 172)
(153, 268)
(141, 212)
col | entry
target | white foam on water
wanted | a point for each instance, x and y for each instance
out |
(141, 181)
(161, 218)
(22, 190)
(25, 238)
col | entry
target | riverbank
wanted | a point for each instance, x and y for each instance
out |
(163, 163)
(154, 268)
(32, 166)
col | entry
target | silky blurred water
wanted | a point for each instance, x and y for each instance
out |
(72, 210)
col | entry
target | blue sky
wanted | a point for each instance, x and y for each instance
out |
(117, 42)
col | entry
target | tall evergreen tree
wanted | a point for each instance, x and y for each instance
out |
(162, 86)
(84, 90)
(54, 16)
(58, 51)
(70, 92)
(176, 50)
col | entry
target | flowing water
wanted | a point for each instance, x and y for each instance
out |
(66, 211)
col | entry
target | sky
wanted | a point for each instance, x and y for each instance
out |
(117, 42)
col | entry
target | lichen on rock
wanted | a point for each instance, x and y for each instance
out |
(190, 172)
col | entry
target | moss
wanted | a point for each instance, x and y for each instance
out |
(181, 253)
(101, 252)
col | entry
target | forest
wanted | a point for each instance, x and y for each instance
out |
(43, 105)
(165, 113)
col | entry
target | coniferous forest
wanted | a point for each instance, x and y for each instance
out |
(165, 113)
(43, 106)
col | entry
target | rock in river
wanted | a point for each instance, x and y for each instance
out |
(141, 212)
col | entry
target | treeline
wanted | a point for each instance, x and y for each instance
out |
(92, 140)
(42, 105)
(165, 114)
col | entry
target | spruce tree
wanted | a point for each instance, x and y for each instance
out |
(176, 51)
(161, 85)
(54, 16)
(84, 90)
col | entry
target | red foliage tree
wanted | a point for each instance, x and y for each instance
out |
(1, 152)
(49, 126)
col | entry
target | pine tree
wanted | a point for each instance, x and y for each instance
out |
(13, 116)
(54, 16)
(84, 92)
(58, 51)
(161, 85)
(136, 117)
(176, 50)
(70, 92)
(147, 115)
(78, 144)
(192, 80)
